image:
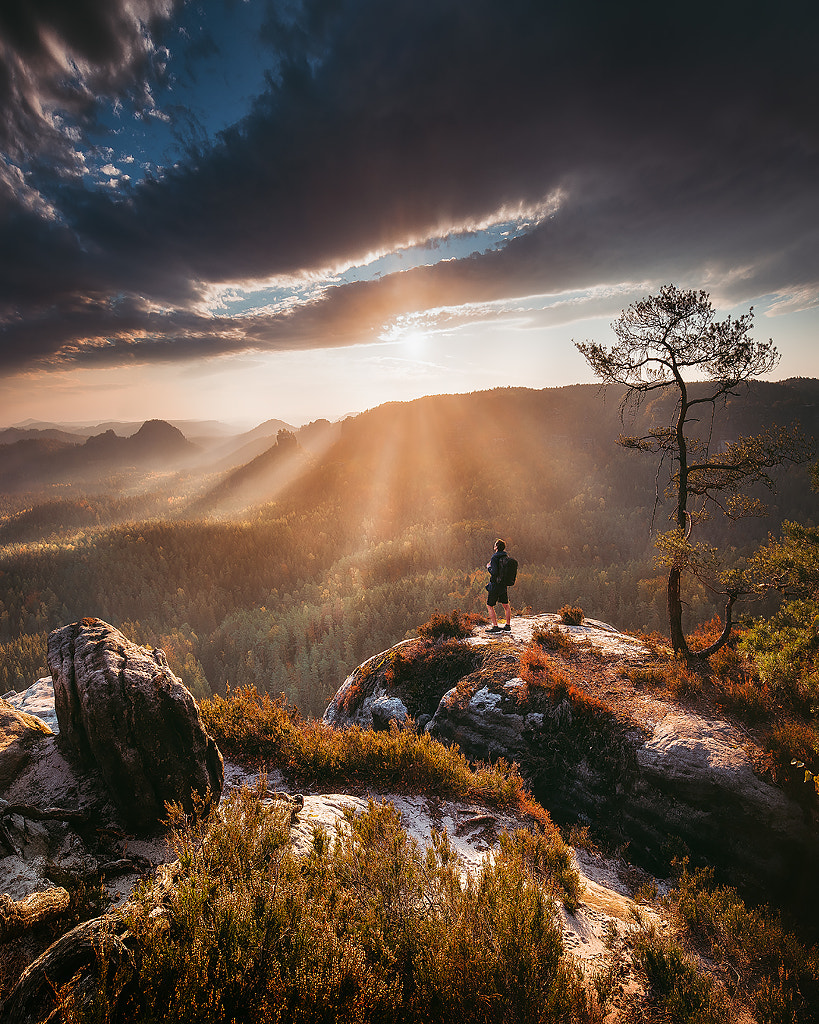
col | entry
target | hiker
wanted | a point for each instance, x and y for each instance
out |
(497, 589)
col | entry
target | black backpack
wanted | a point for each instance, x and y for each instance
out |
(508, 571)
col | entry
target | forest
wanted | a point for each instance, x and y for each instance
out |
(302, 554)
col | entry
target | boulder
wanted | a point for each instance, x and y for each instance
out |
(361, 690)
(20, 735)
(124, 714)
(37, 700)
(387, 710)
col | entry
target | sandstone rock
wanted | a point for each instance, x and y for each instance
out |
(124, 713)
(386, 710)
(37, 700)
(363, 687)
(20, 735)
(649, 774)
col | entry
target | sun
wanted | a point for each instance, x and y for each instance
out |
(414, 343)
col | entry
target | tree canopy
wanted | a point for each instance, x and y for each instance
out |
(672, 342)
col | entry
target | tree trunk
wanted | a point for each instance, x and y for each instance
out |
(678, 641)
(83, 950)
(722, 639)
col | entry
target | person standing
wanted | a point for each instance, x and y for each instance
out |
(496, 589)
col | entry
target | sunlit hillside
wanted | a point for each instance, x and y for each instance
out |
(328, 546)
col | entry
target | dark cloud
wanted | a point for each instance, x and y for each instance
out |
(682, 141)
(62, 57)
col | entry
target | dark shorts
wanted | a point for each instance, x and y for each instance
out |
(497, 594)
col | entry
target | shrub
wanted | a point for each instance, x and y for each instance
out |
(250, 726)
(571, 616)
(785, 649)
(775, 972)
(365, 927)
(669, 674)
(795, 747)
(681, 990)
(538, 670)
(552, 638)
(457, 625)
(426, 670)
(549, 859)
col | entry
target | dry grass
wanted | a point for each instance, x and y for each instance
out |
(255, 729)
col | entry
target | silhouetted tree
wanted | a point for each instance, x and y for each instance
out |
(663, 341)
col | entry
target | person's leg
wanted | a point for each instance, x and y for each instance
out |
(507, 610)
(493, 617)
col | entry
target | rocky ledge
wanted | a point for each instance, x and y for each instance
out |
(643, 770)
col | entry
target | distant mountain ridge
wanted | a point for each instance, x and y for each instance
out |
(34, 462)
(13, 434)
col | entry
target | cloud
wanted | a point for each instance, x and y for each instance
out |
(682, 144)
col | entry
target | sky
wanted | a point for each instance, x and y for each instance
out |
(254, 209)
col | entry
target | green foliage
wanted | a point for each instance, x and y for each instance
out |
(774, 971)
(365, 927)
(22, 661)
(571, 616)
(785, 648)
(790, 564)
(677, 986)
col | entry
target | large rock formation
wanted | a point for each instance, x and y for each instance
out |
(641, 769)
(123, 713)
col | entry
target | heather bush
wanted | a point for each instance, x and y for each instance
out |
(538, 669)
(774, 972)
(457, 625)
(549, 859)
(670, 674)
(677, 986)
(312, 751)
(571, 616)
(552, 638)
(365, 927)
(795, 747)
(425, 670)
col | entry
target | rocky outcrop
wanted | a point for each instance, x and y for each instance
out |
(38, 701)
(124, 714)
(642, 771)
(20, 735)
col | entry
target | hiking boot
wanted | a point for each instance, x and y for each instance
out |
(493, 629)
(506, 629)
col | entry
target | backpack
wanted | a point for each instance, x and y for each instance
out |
(508, 571)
